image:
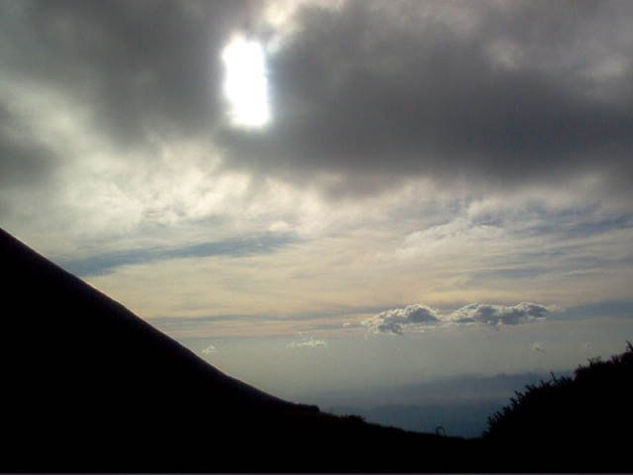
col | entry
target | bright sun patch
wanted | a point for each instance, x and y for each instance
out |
(245, 83)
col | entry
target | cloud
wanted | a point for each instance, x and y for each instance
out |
(468, 89)
(23, 162)
(209, 350)
(395, 320)
(417, 317)
(538, 347)
(141, 66)
(236, 247)
(365, 95)
(499, 314)
(115, 149)
(308, 343)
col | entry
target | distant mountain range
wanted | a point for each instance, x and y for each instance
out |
(89, 387)
(459, 405)
(468, 419)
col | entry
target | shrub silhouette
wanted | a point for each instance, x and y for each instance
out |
(591, 412)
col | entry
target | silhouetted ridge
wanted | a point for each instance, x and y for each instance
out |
(88, 386)
(54, 300)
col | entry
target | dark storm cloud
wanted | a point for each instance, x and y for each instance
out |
(529, 91)
(22, 162)
(138, 65)
(532, 90)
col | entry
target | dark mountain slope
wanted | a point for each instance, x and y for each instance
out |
(88, 386)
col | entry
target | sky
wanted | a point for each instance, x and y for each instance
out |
(325, 194)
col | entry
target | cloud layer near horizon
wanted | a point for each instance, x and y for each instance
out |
(417, 317)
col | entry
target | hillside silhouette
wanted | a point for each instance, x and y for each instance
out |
(87, 386)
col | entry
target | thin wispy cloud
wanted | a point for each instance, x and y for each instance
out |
(209, 349)
(236, 247)
(309, 343)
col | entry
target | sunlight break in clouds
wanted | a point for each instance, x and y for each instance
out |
(245, 85)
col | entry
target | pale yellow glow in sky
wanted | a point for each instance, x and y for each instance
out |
(245, 83)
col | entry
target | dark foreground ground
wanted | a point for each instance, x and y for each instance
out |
(87, 386)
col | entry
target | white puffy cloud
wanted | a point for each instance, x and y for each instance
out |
(499, 314)
(396, 320)
(209, 349)
(392, 321)
(308, 343)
